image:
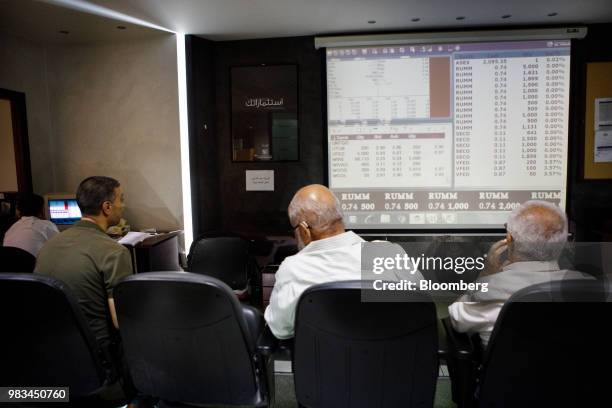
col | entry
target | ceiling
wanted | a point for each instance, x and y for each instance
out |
(248, 19)
(45, 23)
(245, 19)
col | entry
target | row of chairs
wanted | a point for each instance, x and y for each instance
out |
(188, 341)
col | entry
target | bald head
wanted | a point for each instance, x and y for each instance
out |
(539, 230)
(318, 207)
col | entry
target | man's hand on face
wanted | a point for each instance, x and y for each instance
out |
(494, 263)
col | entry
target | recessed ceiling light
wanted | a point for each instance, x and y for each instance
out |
(371, 21)
(552, 14)
(121, 27)
(506, 16)
(460, 18)
(64, 32)
(414, 20)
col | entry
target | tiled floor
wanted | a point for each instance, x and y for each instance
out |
(285, 394)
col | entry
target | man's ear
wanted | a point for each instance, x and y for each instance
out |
(509, 238)
(304, 232)
(106, 207)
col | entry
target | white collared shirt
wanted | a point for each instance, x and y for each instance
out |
(330, 259)
(476, 312)
(29, 234)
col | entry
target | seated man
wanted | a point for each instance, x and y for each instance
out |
(536, 233)
(89, 261)
(327, 253)
(31, 231)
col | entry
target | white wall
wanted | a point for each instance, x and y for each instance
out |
(106, 108)
(114, 112)
(22, 69)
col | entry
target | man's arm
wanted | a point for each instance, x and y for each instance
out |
(280, 313)
(117, 265)
(113, 312)
(473, 317)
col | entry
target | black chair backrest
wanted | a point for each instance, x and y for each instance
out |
(224, 258)
(364, 354)
(45, 339)
(548, 346)
(16, 260)
(186, 340)
(282, 252)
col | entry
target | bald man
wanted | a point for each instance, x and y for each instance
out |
(327, 253)
(535, 236)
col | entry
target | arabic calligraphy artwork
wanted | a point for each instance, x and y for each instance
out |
(264, 113)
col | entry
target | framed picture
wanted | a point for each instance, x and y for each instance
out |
(264, 114)
(598, 122)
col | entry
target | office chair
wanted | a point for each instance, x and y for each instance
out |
(46, 341)
(351, 353)
(188, 340)
(225, 258)
(454, 247)
(16, 260)
(548, 348)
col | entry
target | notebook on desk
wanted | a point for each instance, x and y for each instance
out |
(132, 238)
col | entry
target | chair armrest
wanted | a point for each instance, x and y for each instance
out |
(459, 345)
(462, 362)
(286, 345)
(255, 322)
(267, 343)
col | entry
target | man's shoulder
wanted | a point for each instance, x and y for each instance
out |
(85, 239)
(45, 224)
(57, 239)
(343, 242)
(291, 266)
(17, 226)
(106, 245)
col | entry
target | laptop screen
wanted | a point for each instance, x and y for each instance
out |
(64, 211)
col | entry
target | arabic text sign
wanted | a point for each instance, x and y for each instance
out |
(264, 116)
(260, 180)
(263, 103)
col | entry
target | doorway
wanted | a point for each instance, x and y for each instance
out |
(15, 170)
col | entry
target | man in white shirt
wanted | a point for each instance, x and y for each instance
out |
(30, 232)
(327, 253)
(536, 233)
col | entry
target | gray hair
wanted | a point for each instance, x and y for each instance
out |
(317, 214)
(538, 237)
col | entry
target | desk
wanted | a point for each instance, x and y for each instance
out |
(156, 253)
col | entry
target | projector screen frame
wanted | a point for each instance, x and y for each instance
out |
(568, 33)
(439, 37)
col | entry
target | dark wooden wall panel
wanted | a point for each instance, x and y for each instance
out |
(202, 136)
(267, 211)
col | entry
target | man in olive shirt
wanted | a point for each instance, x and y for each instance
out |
(88, 260)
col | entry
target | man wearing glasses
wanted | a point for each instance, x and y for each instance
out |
(327, 253)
